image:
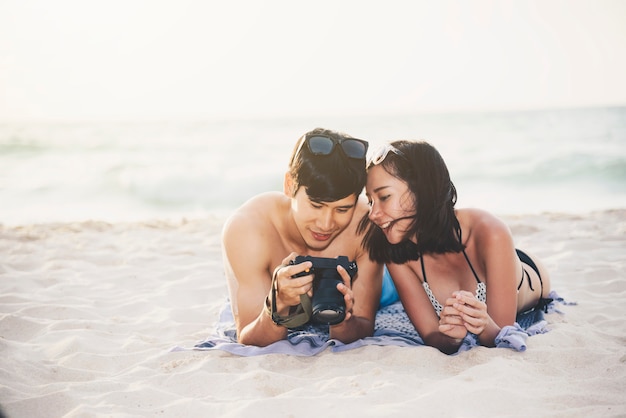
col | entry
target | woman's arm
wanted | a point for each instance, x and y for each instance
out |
(493, 246)
(421, 312)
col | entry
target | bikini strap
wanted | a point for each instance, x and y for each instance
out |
(527, 260)
(423, 269)
(467, 258)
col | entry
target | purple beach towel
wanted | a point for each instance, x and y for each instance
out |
(393, 327)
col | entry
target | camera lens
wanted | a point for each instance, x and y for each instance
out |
(331, 315)
(328, 304)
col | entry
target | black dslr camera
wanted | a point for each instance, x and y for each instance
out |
(328, 306)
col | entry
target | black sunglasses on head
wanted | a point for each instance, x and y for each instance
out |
(325, 145)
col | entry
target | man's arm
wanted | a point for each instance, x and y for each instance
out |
(246, 259)
(366, 289)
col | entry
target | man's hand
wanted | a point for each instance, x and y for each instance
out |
(288, 288)
(346, 289)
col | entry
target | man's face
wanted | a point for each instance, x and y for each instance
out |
(319, 223)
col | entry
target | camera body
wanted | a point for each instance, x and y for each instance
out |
(328, 305)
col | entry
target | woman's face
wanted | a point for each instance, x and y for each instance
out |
(390, 200)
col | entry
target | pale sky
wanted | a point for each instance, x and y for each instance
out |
(125, 59)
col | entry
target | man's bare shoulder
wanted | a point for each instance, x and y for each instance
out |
(250, 234)
(255, 216)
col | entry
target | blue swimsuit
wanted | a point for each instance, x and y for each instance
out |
(389, 293)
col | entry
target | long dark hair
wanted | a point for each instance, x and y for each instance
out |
(434, 224)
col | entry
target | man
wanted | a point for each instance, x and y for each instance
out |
(317, 215)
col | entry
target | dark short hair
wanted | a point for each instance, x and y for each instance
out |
(435, 224)
(326, 178)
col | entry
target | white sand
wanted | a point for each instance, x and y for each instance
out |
(88, 312)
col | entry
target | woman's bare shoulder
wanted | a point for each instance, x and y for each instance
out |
(478, 217)
(481, 224)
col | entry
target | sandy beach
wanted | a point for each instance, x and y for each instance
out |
(90, 311)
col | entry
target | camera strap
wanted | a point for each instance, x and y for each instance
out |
(300, 317)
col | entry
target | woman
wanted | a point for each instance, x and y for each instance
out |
(456, 270)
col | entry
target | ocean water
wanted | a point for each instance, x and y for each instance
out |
(568, 160)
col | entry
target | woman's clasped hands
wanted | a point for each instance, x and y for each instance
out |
(463, 313)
